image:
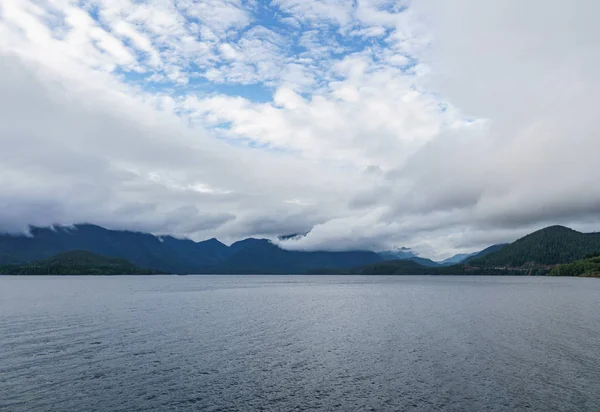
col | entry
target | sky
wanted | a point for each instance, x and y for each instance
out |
(440, 126)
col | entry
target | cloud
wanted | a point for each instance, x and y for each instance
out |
(95, 159)
(314, 12)
(375, 124)
(527, 74)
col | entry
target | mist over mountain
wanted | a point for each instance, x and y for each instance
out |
(555, 250)
(549, 246)
(171, 254)
(401, 253)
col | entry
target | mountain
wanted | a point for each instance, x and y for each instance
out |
(424, 262)
(207, 252)
(406, 254)
(485, 252)
(534, 254)
(78, 262)
(395, 267)
(549, 246)
(253, 256)
(6, 259)
(170, 254)
(455, 259)
(544, 248)
(142, 249)
(398, 254)
(465, 257)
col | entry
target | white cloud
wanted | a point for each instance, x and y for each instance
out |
(219, 15)
(371, 116)
(338, 12)
(227, 51)
(141, 41)
(442, 127)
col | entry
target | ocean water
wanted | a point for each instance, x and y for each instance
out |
(299, 343)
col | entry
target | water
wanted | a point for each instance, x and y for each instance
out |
(299, 343)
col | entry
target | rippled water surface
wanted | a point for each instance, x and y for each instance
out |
(298, 343)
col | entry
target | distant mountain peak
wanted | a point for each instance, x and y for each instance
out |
(250, 240)
(212, 240)
(555, 229)
(458, 258)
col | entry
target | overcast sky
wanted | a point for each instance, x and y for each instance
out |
(443, 126)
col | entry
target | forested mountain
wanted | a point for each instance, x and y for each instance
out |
(534, 254)
(589, 267)
(485, 252)
(425, 262)
(169, 254)
(142, 249)
(261, 256)
(537, 251)
(549, 246)
(78, 262)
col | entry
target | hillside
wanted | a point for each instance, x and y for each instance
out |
(9, 260)
(549, 246)
(589, 267)
(78, 262)
(487, 251)
(170, 254)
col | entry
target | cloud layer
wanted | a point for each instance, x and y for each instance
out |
(373, 124)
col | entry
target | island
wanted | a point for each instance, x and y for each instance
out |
(77, 262)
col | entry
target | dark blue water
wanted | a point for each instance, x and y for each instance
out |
(298, 343)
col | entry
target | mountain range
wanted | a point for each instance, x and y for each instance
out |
(173, 255)
(546, 247)
(555, 250)
(407, 254)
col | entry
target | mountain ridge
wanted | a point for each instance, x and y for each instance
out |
(548, 246)
(541, 250)
(171, 254)
(554, 250)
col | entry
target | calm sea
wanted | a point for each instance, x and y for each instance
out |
(299, 343)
